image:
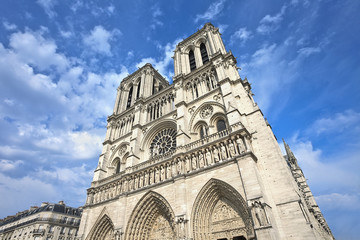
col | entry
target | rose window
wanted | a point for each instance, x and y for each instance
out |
(206, 111)
(164, 141)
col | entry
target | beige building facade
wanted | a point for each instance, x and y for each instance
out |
(196, 159)
(50, 221)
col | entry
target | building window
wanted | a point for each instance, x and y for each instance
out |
(164, 141)
(204, 55)
(192, 60)
(138, 90)
(118, 166)
(129, 98)
(220, 125)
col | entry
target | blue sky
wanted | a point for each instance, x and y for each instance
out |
(61, 62)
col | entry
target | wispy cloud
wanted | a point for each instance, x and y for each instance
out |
(165, 61)
(9, 26)
(48, 6)
(337, 123)
(214, 9)
(271, 23)
(241, 35)
(99, 39)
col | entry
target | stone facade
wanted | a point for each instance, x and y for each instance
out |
(196, 159)
(48, 222)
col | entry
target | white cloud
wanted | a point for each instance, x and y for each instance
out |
(214, 9)
(66, 34)
(9, 26)
(337, 123)
(20, 193)
(242, 35)
(222, 27)
(307, 51)
(99, 39)
(33, 48)
(337, 174)
(7, 165)
(271, 23)
(48, 6)
(165, 61)
(337, 201)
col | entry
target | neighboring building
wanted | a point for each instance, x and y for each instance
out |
(49, 221)
(196, 159)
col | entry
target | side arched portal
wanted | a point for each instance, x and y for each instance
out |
(220, 212)
(151, 219)
(103, 229)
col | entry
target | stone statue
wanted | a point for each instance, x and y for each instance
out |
(173, 169)
(240, 144)
(223, 154)
(162, 173)
(232, 150)
(179, 166)
(215, 154)
(193, 162)
(130, 184)
(187, 164)
(146, 178)
(157, 175)
(125, 185)
(136, 182)
(201, 160)
(260, 215)
(168, 171)
(208, 158)
(141, 180)
(151, 177)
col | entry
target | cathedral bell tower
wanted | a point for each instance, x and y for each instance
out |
(196, 159)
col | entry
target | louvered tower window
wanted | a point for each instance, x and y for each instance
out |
(204, 55)
(192, 60)
(129, 98)
(138, 90)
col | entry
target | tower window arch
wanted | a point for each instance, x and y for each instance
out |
(192, 60)
(204, 54)
(128, 104)
(220, 125)
(138, 90)
(118, 166)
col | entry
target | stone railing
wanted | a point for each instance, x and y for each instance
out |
(218, 148)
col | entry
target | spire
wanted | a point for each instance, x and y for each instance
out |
(290, 155)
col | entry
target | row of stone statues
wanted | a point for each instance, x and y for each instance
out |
(181, 165)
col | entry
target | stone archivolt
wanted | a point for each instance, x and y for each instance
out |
(220, 212)
(103, 229)
(152, 218)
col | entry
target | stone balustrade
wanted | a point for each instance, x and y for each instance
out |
(216, 149)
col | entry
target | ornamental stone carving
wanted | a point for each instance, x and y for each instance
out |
(206, 111)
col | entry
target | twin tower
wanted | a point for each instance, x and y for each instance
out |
(196, 159)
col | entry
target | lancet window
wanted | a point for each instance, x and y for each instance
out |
(138, 90)
(204, 55)
(128, 104)
(192, 60)
(220, 125)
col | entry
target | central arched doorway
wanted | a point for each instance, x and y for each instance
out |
(220, 213)
(151, 219)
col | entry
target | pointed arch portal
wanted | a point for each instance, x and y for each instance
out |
(220, 212)
(151, 219)
(103, 229)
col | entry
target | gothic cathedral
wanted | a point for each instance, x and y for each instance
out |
(196, 159)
